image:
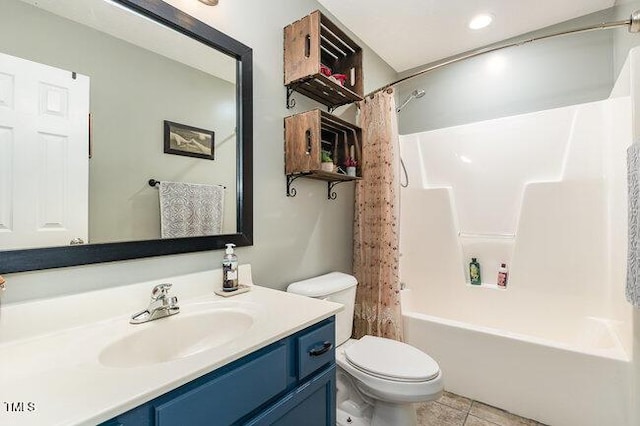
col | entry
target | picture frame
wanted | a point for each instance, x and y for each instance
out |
(189, 141)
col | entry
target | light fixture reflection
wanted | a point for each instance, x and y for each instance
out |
(479, 21)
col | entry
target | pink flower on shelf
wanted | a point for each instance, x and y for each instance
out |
(325, 70)
(351, 162)
(341, 78)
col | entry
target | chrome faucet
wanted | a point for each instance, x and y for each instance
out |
(160, 306)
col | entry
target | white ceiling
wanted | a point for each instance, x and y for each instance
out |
(410, 33)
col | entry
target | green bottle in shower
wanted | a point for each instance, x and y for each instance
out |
(474, 272)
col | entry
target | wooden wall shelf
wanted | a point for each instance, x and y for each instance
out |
(312, 42)
(309, 133)
(332, 180)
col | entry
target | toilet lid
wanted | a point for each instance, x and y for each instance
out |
(389, 359)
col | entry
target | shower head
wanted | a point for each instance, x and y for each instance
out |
(416, 94)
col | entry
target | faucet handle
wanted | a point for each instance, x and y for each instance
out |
(160, 291)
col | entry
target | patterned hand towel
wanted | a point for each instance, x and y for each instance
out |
(190, 210)
(633, 253)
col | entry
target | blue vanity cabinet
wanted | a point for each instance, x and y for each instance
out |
(290, 382)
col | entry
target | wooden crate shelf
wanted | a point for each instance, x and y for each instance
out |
(314, 41)
(309, 133)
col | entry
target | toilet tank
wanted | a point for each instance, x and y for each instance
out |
(335, 287)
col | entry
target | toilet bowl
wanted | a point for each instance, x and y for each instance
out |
(378, 379)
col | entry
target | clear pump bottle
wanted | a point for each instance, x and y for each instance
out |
(229, 269)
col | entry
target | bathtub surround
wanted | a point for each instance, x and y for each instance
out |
(563, 314)
(633, 255)
(376, 232)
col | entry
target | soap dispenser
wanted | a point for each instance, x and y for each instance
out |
(229, 269)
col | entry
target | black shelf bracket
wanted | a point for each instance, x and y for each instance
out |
(331, 109)
(291, 192)
(331, 184)
(331, 195)
(290, 101)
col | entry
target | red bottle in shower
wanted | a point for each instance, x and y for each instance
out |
(503, 275)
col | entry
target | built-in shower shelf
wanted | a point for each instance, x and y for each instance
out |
(487, 236)
(487, 286)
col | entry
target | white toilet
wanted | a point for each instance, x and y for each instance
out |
(378, 379)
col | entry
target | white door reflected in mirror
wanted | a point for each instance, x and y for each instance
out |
(44, 152)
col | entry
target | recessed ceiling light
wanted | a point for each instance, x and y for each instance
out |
(480, 21)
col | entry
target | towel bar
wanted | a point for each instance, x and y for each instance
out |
(154, 183)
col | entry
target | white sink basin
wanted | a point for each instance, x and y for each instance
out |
(176, 337)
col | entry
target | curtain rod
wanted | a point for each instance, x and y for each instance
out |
(633, 24)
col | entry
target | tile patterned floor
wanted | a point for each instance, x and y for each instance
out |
(455, 410)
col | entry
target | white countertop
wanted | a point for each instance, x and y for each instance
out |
(50, 349)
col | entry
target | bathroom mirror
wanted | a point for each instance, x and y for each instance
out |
(104, 105)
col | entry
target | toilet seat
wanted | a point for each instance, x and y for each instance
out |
(391, 360)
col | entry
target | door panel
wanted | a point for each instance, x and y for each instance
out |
(44, 164)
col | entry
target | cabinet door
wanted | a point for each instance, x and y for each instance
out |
(227, 398)
(312, 404)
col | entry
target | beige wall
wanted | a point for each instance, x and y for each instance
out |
(294, 238)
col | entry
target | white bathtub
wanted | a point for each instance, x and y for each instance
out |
(577, 374)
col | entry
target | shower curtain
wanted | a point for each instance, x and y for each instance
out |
(376, 233)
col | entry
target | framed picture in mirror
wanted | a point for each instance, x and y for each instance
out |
(180, 139)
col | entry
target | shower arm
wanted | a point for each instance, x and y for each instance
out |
(633, 25)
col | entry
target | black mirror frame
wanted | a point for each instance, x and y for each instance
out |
(56, 257)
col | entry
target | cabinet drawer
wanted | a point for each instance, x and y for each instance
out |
(316, 349)
(231, 396)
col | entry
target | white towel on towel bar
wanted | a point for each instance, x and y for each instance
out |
(190, 209)
(633, 252)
